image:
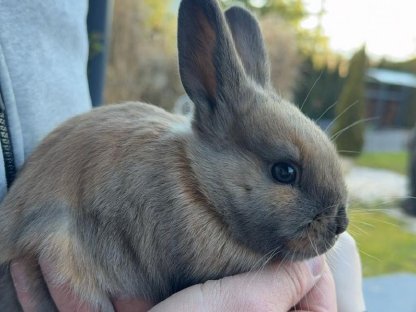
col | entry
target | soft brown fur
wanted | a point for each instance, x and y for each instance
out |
(131, 200)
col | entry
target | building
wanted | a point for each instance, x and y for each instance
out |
(390, 98)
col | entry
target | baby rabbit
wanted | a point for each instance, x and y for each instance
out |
(133, 200)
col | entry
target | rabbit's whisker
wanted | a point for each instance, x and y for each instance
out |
(340, 114)
(313, 86)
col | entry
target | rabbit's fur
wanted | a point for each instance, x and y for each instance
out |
(132, 200)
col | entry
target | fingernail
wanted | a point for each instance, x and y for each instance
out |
(315, 266)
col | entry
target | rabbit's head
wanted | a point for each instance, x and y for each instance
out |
(271, 174)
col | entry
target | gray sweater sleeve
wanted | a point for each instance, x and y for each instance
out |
(43, 59)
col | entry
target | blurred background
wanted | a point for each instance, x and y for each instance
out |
(348, 65)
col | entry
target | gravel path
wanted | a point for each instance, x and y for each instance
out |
(386, 140)
(376, 186)
(369, 185)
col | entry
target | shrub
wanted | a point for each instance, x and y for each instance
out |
(348, 131)
(143, 63)
(284, 58)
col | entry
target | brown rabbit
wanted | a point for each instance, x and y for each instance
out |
(133, 200)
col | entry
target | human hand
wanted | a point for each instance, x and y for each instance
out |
(308, 286)
(64, 299)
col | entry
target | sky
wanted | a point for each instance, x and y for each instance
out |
(386, 27)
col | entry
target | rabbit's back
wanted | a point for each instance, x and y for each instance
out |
(77, 168)
(90, 196)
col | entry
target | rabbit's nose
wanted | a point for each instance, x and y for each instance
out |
(341, 220)
(342, 226)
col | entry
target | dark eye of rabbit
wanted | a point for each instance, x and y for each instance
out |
(284, 173)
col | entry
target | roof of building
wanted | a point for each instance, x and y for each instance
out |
(391, 77)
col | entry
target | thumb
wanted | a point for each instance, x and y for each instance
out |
(294, 281)
(277, 288)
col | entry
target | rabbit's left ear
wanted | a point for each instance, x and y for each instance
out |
(249, 43)
(210, 69)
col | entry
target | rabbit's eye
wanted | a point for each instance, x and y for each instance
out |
(284, 173)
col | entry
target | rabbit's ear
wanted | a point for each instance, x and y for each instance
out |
(249, 43)
(210, 69)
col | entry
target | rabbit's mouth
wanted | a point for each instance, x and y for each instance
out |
(307, 247)
(316, 238)
(310, 241)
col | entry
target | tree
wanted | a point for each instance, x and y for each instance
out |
(319, 89)
(406, 66)
(349, 128)
(280, 39)
(143, 64)
(309, 41)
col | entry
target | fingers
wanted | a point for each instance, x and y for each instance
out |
(22, 286)
(322, 297)
(307, 285)
(131, 305)
(277, 288)
(62, 295)
(296, 280)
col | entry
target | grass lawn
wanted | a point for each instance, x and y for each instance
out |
(391, 161)
(385, 246)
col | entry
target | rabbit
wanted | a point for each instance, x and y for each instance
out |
(132, 200)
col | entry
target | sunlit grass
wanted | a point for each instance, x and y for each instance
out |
(391, 161)
(384, 243)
